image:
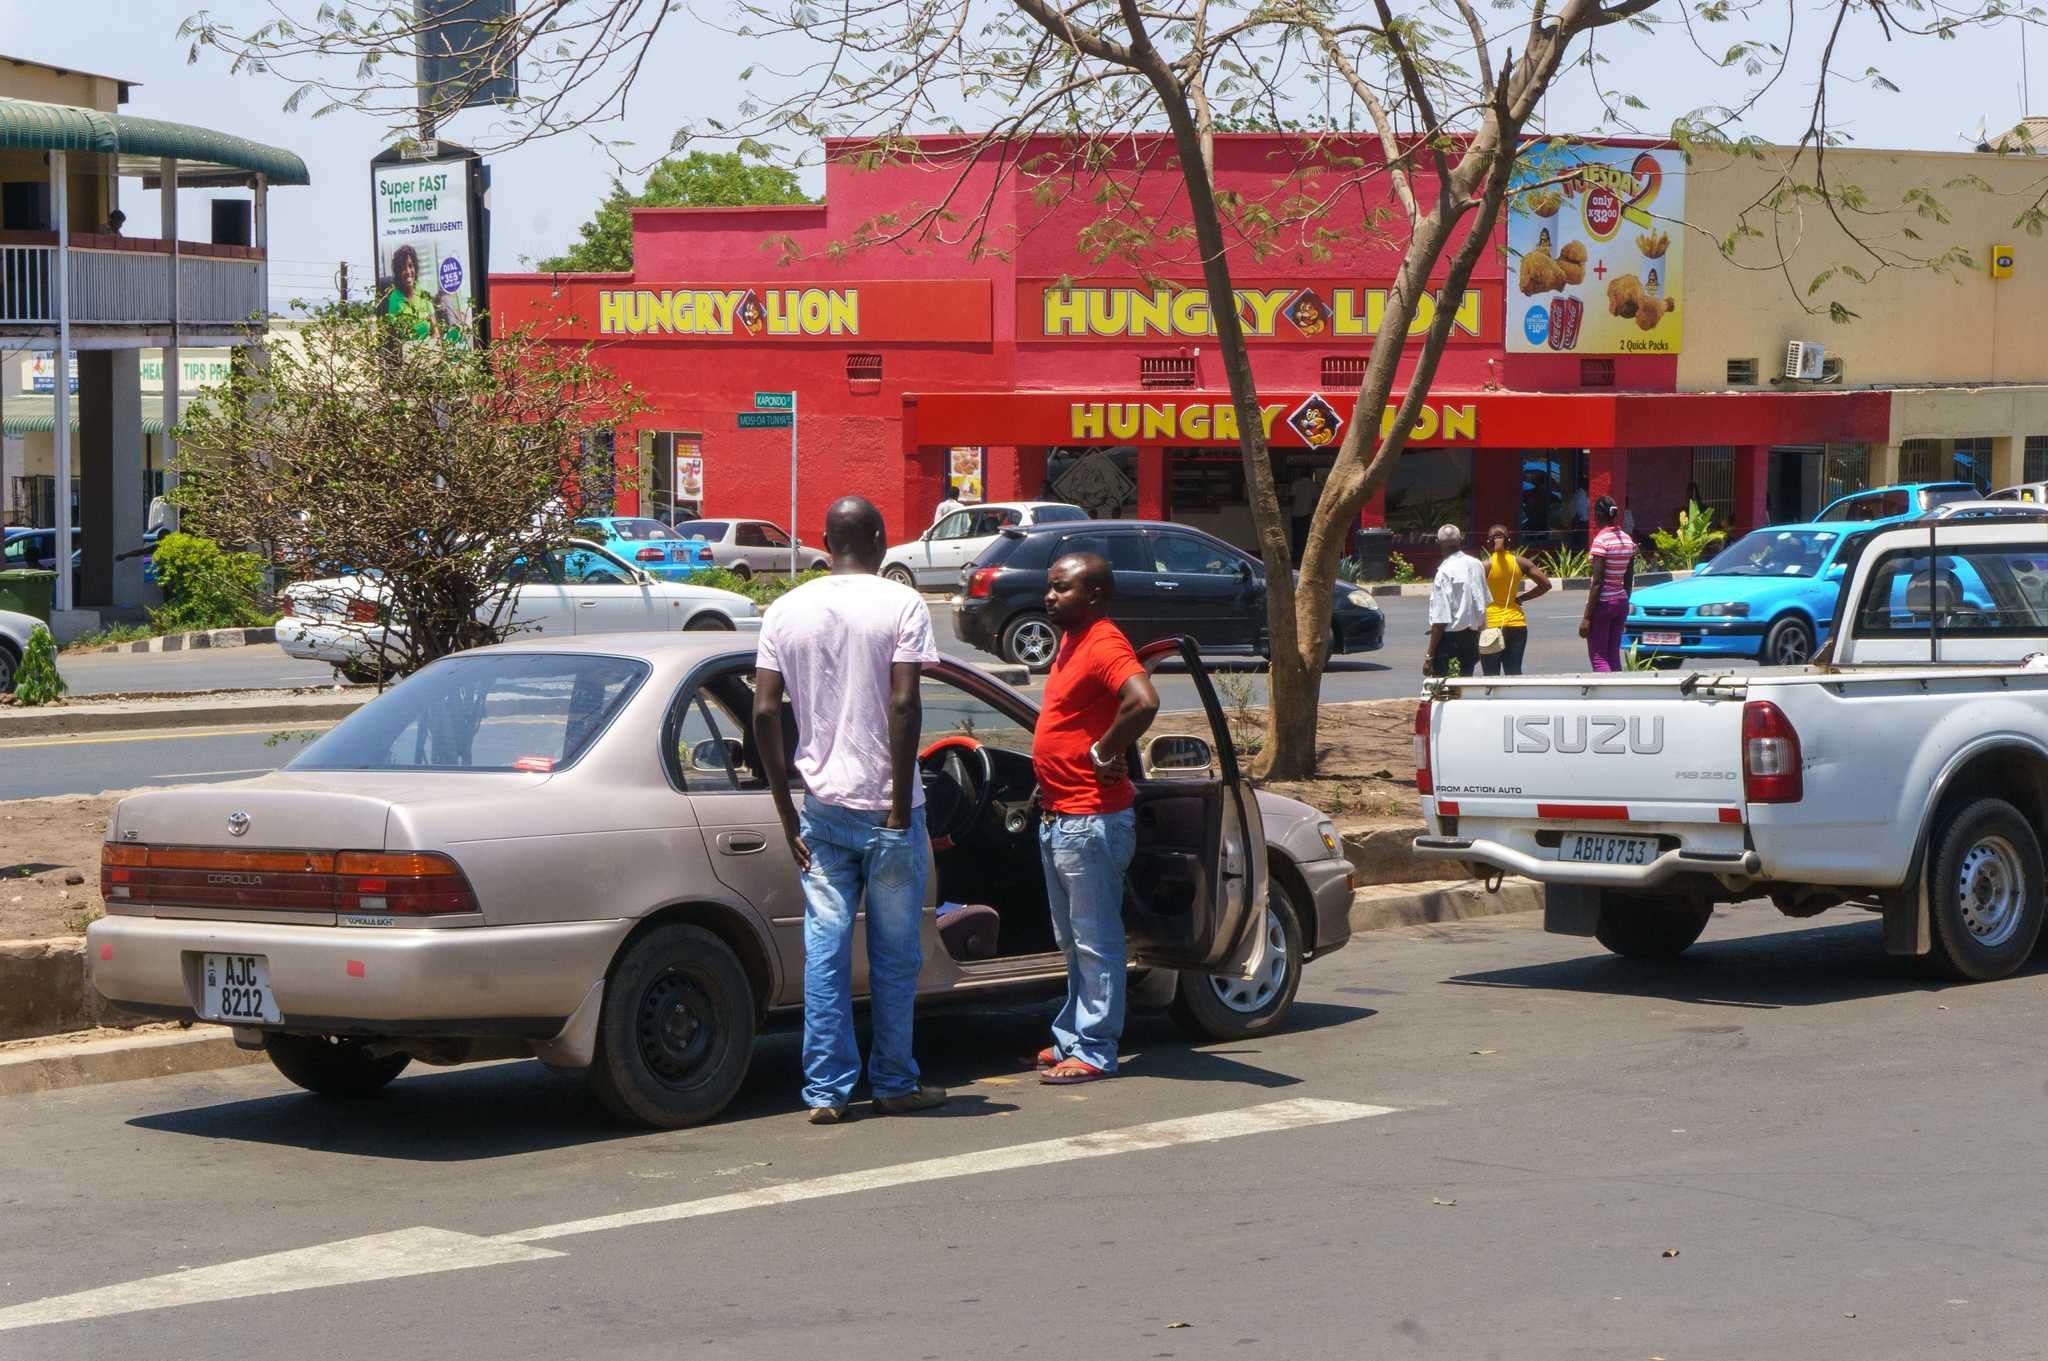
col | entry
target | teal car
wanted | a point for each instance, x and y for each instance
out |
(648, 544)
(1893, 503)
(1769, 598)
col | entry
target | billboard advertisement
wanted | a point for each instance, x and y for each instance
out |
(427, 219)
(1596, 252)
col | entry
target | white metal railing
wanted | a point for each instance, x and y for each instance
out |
(119, 287)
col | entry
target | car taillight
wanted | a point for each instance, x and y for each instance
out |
(982, 582)
(285, 601)
(1771, 761)
(1423, 784)
(362, 612)
(410, 883)
(651, 554)
(704, 555)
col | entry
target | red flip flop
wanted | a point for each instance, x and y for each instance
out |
(1072, 1070)
(1048, 1057)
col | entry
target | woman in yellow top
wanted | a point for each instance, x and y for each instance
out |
(1507, 573)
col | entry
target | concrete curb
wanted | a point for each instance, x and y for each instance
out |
(48, 1068)
(188, 642)
(1378, 907)
(135, 716)
(46, 988)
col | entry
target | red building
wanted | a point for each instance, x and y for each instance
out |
(915, 362)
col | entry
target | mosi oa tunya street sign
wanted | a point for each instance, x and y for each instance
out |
(766, 420)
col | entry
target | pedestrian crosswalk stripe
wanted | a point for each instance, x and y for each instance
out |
(423, 1251)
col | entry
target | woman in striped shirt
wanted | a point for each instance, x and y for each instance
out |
(1614, 555)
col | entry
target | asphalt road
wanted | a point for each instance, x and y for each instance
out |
(30, 769)
(1843, 1163)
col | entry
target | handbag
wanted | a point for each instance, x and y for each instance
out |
(1491, 640)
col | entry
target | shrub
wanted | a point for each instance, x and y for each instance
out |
(37, 681)
(205, 588)
(763, 588)
(1404, 570)
(1696, 534)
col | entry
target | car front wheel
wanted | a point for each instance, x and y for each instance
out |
(677, 1030)
(901, 576)
(1031, 640)
(709, 622)
(1789, 643)
(1212, 1007)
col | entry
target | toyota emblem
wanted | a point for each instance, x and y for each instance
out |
(238, 824)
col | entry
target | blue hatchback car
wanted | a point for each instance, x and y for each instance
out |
(1769, 596)
(648, 544)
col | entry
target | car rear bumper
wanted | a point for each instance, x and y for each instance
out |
(1331, 884)
(524, 981)
(1363, 632)
(1684, 860)
(311, 640)
(978, 622)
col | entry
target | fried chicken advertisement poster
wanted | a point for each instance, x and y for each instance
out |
(1596, 251)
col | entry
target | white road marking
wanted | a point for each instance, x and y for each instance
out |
(423, 1251)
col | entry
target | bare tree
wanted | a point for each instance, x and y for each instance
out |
(435, 476)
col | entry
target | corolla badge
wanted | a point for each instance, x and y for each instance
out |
(238, 824)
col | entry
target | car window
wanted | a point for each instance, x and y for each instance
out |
(591, 529)
(541, 567)
(1990, 591)
(1185, 553)
(1930, 497)
(588, 567)
(985, 523)
(1124, 552)
(710, 531)
(712, 747)
(638, 531)
(954, 526)
(749, 535)
(1774, 553)
(1047, 515)
(950, 711)
(771, 536)
(501, 711)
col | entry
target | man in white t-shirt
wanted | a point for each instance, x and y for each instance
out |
(848, 649)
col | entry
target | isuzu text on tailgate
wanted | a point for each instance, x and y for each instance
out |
(1906, 773)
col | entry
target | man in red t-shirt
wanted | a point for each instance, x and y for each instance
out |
(1098, 700)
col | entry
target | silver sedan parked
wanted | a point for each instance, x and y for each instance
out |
(565, 848)
(744, 547)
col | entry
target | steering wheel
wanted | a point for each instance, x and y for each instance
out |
(958, 779)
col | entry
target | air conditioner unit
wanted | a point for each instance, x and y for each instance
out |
(1803, 360)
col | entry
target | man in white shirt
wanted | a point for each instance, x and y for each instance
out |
(946, 507)
(1457, 607)
(1302, 503)
(849, 648)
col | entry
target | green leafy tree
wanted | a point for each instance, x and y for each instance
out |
(37, 682)
(206, 588)
(701, 179)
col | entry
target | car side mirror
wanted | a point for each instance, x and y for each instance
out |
(1177, 756)
(713, 753)
(1838, 569)
(1244, 570)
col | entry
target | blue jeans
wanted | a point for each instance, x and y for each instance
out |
(1085, 856)
(853, 856)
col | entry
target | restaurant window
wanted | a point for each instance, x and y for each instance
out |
(1429, 488)
(673, 465)
(1169, 371)
(1847, 471)
(1342, 371)
(1713, 472)
(1971, 461)
(2034, 467)
(1920, 461)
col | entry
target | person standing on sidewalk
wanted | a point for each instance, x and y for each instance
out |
(1457, 608)
(1614, 570)
(1098, 700)
(849, 648)
(1506, 573)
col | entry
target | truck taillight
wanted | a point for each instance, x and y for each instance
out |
(982, 582)
(1423, 784)
(1771, 762)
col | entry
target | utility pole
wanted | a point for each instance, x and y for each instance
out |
(341, 280)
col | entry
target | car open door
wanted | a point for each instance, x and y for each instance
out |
(1196, 890)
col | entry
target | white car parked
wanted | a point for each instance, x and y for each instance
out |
(14, 632)
(576, 590)
(936, 557)
(744, 547)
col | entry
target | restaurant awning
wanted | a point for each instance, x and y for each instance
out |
(207, 159)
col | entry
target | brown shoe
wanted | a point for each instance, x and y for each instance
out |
(923, 1099)
(827, 1115)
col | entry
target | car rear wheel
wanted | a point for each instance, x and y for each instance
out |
(1031, 640)
(901, 576)
(710, 622)
(1789, 643)
(9, 664)
(332, 1065)
(1984, 891)
(1650, 928)
(742, 571)
(1210, 1007)
(677, 1030)
(361, 673)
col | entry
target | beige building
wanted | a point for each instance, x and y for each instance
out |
(1961, 351)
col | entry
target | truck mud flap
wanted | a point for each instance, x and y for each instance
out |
(1571, 909)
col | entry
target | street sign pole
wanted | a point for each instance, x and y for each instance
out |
(784, 404)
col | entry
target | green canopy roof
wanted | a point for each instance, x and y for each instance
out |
(209, 157)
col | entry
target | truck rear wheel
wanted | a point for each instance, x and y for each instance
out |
(1983, 891)
(1649, 928)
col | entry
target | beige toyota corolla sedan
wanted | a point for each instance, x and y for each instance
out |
(565, 848)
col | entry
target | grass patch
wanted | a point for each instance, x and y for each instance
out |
(114, 633)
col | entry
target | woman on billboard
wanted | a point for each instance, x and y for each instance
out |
(411, 306)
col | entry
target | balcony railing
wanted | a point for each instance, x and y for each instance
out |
(129, 285)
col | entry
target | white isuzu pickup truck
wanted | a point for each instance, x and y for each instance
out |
(1905, 772)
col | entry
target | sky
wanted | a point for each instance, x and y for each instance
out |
(543, 190)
